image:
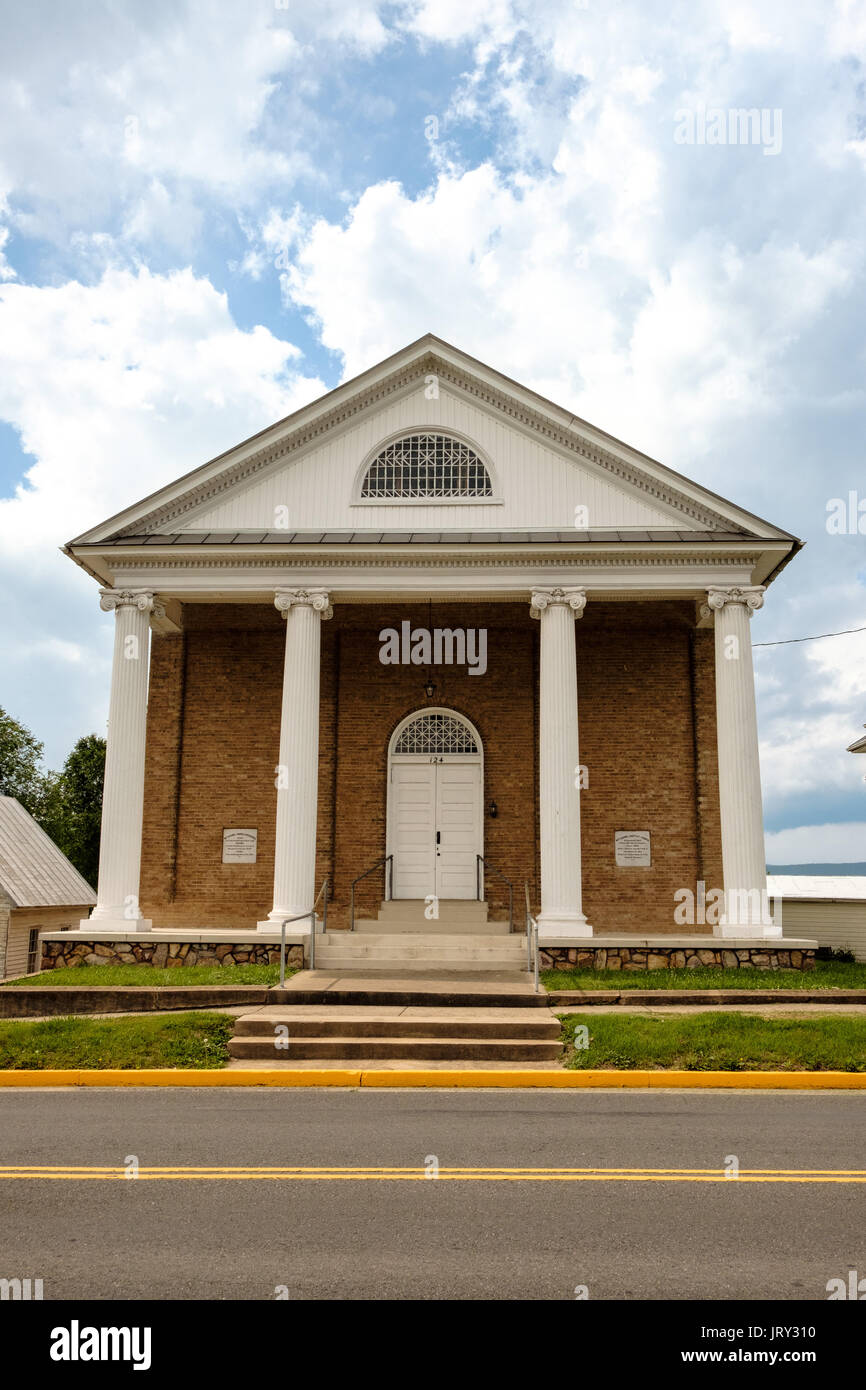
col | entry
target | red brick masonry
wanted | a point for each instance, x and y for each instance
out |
(647, 737)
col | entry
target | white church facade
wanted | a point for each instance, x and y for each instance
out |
(436, 642)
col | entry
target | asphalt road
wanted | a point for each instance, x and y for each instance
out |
(475, 1238)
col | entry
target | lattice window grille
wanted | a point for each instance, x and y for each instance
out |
(436, 733)
(427, 465)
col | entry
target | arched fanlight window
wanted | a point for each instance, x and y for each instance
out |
(436, 733)
(427, 465)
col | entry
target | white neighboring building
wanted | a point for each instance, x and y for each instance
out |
(39, 889)
(830, 908)
(859, 745)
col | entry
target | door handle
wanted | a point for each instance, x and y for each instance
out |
(438, 836)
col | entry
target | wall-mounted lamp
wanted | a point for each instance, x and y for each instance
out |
(494, 812)
(430, 688)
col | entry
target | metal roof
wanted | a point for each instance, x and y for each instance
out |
(33, 871)
(571, 537)
(838, 887)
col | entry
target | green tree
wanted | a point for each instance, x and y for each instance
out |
(79, 805)
(21, 775)
(67, 804)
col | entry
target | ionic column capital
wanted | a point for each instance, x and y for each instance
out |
(317, 599)
(142, 599)
(574, 599)
(750, 595)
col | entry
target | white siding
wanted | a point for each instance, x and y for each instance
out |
(539, 486)
(840, 925)
(24, 920)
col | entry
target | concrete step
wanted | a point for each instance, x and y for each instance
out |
(413, 951)
(441, 967)
(394, 942)
(450, 909)
(396, 1047)
(415, 926)
(399, 1022)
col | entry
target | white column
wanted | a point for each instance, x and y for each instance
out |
(297, 775)
(117, 906)
(561, 917)
(746, 911)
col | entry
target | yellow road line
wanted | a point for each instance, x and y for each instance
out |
(379, 1174)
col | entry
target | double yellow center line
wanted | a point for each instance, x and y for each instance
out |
(182, 1173)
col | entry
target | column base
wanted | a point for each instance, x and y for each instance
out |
(119, 924)
(561, 928)
(274, 923)
(757, 931)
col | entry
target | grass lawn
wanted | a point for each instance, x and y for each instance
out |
(149, 976)
(717, 1042)
(176, 1040)
(826, 975)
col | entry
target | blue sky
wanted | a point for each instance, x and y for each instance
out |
(210, 213)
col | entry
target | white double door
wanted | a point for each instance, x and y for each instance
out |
(435, 817)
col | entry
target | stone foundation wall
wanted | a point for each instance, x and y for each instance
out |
(162, 954)
(760, 957)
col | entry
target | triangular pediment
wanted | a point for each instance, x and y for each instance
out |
(544, 465)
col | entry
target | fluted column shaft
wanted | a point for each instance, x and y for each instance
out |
(561, 913)
(123, 792)
(742, 818)
(297, 776)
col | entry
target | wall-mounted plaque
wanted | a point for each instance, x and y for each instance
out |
(632, 849)
(239, 846)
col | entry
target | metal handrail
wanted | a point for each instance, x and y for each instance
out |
(302, 917)
(325, 889)
(479, 860)
(531, 939)
(387, 859)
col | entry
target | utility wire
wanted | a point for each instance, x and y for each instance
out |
(788, 640)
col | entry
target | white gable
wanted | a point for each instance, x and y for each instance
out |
(535, 485)
(303, 474)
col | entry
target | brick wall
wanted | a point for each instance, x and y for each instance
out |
(642, 746)
(647, 726)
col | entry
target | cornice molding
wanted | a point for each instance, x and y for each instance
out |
(532, 420)
(517, 562)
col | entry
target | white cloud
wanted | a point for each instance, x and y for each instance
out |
(146, 117)
(118, 387)
(527, 281)
(814, 710)
(6, 270)
(843, 843)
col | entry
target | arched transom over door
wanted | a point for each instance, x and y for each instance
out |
(435, 821)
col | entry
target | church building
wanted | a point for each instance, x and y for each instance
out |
(446, 646)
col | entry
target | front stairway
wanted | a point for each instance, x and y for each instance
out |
(400, 1020)
(402, 939)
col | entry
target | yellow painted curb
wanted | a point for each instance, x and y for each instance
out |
(516, 1079)
(180, 1077)
(578, 1080)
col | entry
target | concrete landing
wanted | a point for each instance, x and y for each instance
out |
(495, 989)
